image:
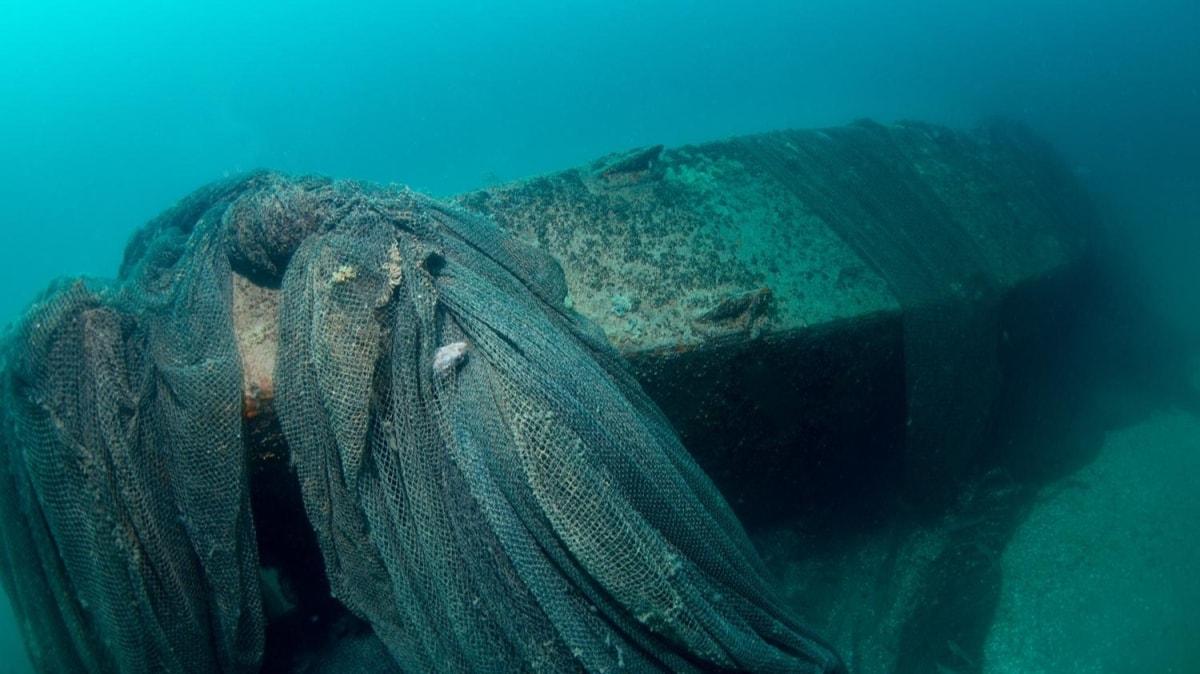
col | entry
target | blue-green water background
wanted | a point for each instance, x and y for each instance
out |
(111, 111)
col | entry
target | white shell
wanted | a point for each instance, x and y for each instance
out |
(449, 355)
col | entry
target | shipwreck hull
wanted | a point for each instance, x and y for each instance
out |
(836, 322)
(820, 313)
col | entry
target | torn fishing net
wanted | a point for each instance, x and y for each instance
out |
(488, 487)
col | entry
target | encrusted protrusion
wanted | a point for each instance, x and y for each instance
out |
(393, 267)
(744, 312)
(344, 274)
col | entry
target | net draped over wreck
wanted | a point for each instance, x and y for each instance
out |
(484, 484)
(849, 295)
(326, 426)
(857, 331)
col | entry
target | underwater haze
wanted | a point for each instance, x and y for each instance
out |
(112, 111)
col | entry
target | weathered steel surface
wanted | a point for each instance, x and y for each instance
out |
(801, 300)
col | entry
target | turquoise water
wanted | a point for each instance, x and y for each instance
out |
(109, 112)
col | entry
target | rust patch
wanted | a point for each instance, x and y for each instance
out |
(256, 327)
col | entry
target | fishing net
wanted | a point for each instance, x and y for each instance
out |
(488, 487)
(918, 204)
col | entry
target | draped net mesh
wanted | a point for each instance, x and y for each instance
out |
(489, 488)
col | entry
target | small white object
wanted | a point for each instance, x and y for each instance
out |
(449, 355)
(344, 274)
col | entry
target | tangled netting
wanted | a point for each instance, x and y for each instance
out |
(489, 489)
(952, 222)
